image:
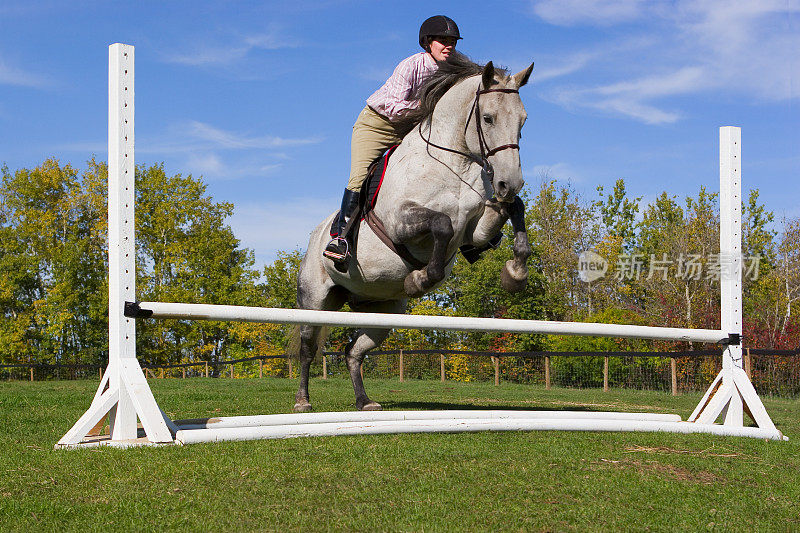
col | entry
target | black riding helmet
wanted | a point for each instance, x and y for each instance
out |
(437, 26)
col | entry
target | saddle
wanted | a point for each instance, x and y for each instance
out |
(372, 185)
(369, 195)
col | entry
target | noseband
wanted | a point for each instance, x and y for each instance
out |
(486, 153)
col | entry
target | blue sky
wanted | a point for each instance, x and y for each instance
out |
(259, 98)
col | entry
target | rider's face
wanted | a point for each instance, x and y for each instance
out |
(442, 47)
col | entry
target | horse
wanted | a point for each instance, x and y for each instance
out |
(453, 181)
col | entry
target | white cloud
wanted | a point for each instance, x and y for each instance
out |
(231, 52)
(283, 225)
(213, 167)
(209, 55)
(214, 153)
(638, 110)
(563, 67)
(11, 75)
(682, 81)
(226, 139)
(747, 46)
(601, 12)
(689, 47)
(632, 98)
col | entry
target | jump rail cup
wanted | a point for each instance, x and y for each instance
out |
(124, 395)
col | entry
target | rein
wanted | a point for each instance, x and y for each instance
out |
(486, 153)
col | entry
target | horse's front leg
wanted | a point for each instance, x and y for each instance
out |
(515, 272)
(416, 221)
(485, 232)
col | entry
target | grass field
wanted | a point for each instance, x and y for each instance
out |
(552, 481)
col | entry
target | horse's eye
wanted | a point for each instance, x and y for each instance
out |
(488, 119)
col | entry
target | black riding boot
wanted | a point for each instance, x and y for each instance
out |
(342, 247)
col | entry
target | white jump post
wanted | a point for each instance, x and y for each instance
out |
(732, 392)
(124, 394)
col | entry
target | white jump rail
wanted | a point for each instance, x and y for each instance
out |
(389, 320)
(125, 396)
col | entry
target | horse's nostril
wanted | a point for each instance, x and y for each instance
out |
(502, 188)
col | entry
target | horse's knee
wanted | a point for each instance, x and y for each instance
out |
(442, 227)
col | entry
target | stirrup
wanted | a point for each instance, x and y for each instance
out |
(333, 250)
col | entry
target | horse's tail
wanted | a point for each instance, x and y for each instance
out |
(320, 337)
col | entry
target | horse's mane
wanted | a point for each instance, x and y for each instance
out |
(458, 67)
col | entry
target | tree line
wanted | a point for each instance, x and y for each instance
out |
(652, 264)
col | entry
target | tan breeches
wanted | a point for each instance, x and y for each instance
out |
(373, 134)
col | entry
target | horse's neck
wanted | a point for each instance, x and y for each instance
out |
(445, 128)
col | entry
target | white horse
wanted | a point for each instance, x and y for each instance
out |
(453, 181)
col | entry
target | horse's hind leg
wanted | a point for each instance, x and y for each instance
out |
(314, 291)
(310, 339)
(366, 339)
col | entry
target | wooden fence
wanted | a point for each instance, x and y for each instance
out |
(228, 368)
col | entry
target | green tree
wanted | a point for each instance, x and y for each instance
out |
(52, 267)
(187, 253)
(560, 226)
(677, 286)
(618, 215)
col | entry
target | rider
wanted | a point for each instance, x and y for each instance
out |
(379, 127)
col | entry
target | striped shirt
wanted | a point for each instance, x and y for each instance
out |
(395, 98)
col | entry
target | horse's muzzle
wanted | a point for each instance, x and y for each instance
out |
(506, 192)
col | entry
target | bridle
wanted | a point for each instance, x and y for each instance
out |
(486, 153)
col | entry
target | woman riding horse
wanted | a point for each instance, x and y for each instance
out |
(452, 181)
(380, 124)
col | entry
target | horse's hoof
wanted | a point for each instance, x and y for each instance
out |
(371, 406)
(302, 407)
(513, 281)
(413, 284)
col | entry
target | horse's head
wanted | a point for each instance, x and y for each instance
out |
(494, 126)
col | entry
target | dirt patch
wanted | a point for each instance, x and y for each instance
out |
(708, 452)
(659, 469)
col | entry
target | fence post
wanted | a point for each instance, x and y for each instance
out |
(441, 365)
(402, 370)
(162, 373)
(324, 366)
(31, 373)
(673, 366)
(231, 367)
(605, 374)
(547, 372)
(206, 368)
(361, 369)
(496, 361)
(101, 373)
(748, 368)
(183, 372)
(289, 360)
(260, 368)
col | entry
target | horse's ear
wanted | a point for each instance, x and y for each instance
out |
(488, 75)
(521, 77)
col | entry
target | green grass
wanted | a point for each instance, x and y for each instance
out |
(480, 481)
